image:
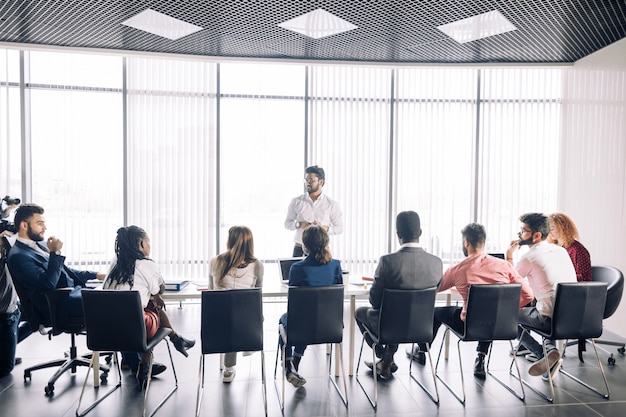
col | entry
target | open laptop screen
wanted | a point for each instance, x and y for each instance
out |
(284, 265)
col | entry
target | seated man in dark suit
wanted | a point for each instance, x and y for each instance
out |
(37, 267)
(409, 268)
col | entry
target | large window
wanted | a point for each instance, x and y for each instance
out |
(188, 148)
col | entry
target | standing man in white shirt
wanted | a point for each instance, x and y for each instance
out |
(545, 265)
(313, 208)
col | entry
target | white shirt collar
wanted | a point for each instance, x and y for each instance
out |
(411, 245)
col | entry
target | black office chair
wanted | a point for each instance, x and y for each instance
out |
(232, 321)
(577, 314)
(120, 329)
(615, 287)
(315, 316)
(492, 314)
(405, 316)
(73, 326)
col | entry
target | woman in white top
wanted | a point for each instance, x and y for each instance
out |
(132, 269)
(237, 268)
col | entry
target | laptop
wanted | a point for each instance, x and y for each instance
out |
(284, 264)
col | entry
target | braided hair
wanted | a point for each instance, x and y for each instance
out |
(316, 240)
(127, 244)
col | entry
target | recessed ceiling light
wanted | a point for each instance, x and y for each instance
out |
(477, 27)
(318, 24)
(161, 24)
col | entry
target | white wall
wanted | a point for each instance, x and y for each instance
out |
(592, 175)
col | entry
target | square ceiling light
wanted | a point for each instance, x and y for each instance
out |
(161, 24)
(477, 27)
(318, 24)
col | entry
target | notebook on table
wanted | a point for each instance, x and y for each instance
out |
(284, 264)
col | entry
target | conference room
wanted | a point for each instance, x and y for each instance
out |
(106, 125)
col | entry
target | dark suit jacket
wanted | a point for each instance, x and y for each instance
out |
(33, 275)
(408, 268)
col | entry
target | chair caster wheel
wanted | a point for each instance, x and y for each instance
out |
(49, 389)
(621, 350)
(104, 377)
(26, 376)
(611, 360)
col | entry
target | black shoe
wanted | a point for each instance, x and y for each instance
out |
(393, 368)
(18, 360)
(142, 375)
(157, 368)
(181, 344)
(479, 367)
(383, 370)
(417, 355)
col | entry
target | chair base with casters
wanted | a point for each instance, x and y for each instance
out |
(238, 329)
(621, 349)
(121, 329)
(71, 363)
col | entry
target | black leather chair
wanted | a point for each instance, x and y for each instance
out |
(615, 287)
(492, 314)
(405, 316)
(577, 314)
(232, 321)
(120, 329)
(315, 316)
(73, 326)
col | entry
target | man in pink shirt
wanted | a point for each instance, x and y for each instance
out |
(477, 268)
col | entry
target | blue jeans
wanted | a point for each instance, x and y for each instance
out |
(289, 350)
(8, 341)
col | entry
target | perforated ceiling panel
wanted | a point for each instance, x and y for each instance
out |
(388, 31)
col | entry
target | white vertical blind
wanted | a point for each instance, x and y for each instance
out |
(10, 171)
(171, 161)
(518, 145)
(349, 130)
(434, 159)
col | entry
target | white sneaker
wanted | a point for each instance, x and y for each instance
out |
(229, 374)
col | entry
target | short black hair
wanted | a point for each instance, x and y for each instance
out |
(475, 234)
(408, 226)
(538, 222)
(25, 212)
(319, 171)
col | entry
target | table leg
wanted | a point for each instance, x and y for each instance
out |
(447, 341)
(351, 336)
(96, 369)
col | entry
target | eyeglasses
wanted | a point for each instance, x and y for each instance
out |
(522, 231)
(310, 180)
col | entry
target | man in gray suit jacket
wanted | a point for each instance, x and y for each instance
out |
(409, 268)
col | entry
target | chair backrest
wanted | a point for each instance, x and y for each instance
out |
(232, 321)
(492, 312)
(314, 315)
(62, 321)
(615, 281)
(114, 320)
(406, 316)
(578, 310)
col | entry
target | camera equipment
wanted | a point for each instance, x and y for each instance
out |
(6, 214)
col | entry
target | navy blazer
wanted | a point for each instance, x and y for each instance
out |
(34, 275)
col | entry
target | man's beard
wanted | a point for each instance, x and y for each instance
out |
(465, 251)
(523, 242)
(33, 236)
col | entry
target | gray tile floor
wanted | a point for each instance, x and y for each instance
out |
(399, 396)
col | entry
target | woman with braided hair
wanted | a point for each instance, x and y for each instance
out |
(318, 269)
(132, 269)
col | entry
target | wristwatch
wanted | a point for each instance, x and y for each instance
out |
(297, 225)
(57, 252)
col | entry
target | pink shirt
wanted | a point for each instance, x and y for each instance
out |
(480, 268)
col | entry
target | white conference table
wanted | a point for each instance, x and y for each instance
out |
(273, 289)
